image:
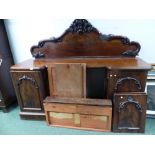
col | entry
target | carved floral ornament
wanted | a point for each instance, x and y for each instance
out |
(81, 26)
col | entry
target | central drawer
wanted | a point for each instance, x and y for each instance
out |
(89, 114)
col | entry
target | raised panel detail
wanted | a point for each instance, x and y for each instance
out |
(29, 93)
(31, 88)
(129, 112)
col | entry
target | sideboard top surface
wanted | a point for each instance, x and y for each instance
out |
(110, 63)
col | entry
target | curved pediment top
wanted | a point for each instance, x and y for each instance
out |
(82, 39)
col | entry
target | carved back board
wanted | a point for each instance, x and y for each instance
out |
(81, 39)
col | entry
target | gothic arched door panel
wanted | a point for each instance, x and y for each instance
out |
(129, 112)
(31, 89)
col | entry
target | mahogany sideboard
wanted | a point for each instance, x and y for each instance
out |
(7, 93)
(112, 71)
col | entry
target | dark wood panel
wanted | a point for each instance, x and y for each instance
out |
(31, 88)
(129, 112)
(125, 81)
(82, 39)
(79, 116)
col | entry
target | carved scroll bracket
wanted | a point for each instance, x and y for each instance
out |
(130, 100)
(120, 81)
(26, 78)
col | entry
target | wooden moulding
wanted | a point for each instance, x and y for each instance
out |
(81, 39)
(87, 114)
(67, 79)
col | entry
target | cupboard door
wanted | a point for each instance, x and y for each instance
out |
(67, 80)
(129, 110)
(30, 90)
(126, 81)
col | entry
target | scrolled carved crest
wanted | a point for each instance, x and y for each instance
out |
(82, 39)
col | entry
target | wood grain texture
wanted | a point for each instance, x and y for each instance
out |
(129, 112)
(81, 114)
(82, 39)
(67, 80)
(125, 81)
(82, 62)
(31, 88)
(110, 63)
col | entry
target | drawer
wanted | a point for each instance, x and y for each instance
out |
(89, 117)
(129, 112)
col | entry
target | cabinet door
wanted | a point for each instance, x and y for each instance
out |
(67, 80)
(129, 110)
(126, 81)
(30, 90)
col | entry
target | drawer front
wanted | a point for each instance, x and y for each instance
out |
(81, 121)
(80, 109)
(30, 90)
(94, 110)
(79, 116)
(96, 122)
(64, 108)
(62, 119)
(129, 111)
(126, 81)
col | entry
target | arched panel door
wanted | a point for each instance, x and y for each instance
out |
(129, 112)
(29, 93)
(30, 87)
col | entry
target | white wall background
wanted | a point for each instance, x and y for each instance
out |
(25, 33)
